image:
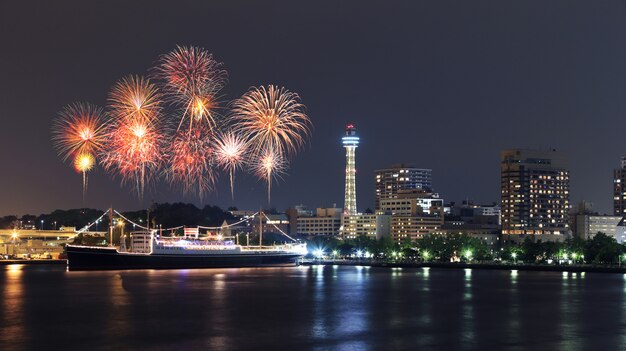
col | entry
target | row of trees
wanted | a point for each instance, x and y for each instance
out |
(601, 249)
(166, 214)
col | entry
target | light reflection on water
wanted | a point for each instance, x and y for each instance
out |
(468, 332)
(312, 308)
(12, 330)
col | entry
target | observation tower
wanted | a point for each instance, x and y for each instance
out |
(350, 141)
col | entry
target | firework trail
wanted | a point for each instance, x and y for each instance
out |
(270, 164)
(191, 161)
(230, 154)
(84, 163)
(135, 143)
(191, 80)
(271, 118)
(78, 132)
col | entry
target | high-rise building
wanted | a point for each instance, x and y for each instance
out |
(399, 177)
(350, 141)
(535, 194)
(619, 189)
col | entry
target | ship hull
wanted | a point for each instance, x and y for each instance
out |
(93, 258)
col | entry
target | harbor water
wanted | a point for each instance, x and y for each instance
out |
(310, 308)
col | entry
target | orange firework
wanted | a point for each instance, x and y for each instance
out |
(192, 78)
(135, 98)
(78, 129)
(271, 118)
(190, 161)
(84, 163)
(269, 165)
(230, 154)
(134, 139)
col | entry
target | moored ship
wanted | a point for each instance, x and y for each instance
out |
(147, 251)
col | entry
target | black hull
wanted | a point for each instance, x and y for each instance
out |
(91, 258)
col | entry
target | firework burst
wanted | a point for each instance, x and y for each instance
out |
(230, 154)
(79, 128)
(272, 118)
(192, 78)
(269, 165)
(134, 138)
(191, 161)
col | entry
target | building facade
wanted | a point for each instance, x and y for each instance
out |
(535, 194)
(414, 213)
(373, 226)
(399, 177)
(619, 189)
(326, 222)
(588, 225)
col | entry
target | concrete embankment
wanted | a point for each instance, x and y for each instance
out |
(32, 262)
(453, 265)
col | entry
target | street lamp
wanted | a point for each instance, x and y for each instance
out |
(13, 237)
(318, 254)
(468, 254)
(41, 224)
(514, 255)
(425, 255)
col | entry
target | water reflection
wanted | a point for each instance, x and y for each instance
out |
(12, 331)
(570, 304)
(468, 336)
(313, 308)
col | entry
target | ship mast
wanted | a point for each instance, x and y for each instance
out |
(260, 228)
(111, 226)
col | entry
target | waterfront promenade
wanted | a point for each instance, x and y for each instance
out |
(487, 265)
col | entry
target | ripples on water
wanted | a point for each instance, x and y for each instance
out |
(311, 308)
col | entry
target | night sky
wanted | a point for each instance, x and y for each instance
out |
(440, 84)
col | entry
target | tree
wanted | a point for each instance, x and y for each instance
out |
(602, 249)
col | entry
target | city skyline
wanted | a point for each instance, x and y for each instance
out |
(524, 86)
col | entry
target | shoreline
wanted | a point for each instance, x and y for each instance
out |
(33, 262)
(443, 265)
(487, 266)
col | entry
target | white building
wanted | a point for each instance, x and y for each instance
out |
(588, 225)
(374, 226)
(314, 226)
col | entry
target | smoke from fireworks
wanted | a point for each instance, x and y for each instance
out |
(230, 154)
(272, 118)
(269, 165)
(191, 161)
(192, 78)
(134, 147)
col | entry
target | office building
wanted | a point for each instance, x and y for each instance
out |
(619, 189)
(535, 195)
(400, 177)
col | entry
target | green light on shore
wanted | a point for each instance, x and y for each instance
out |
(468, 254)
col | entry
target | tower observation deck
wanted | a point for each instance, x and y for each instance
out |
(350, 141)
